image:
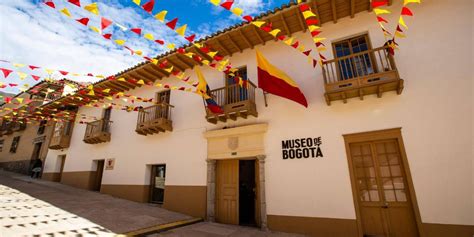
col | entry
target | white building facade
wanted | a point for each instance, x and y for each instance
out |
(401, 164)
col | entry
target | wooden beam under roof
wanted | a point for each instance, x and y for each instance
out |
(176, 65)
(184, 60)
(152, 70)
(315, 8)
(201, 54)
(352, 8)
(285, 25)
(159, 69)
(247, 41)
(258, 35)
(233, 42)
(301, 21)
(143, 75)
(334, 11)
(216, 40)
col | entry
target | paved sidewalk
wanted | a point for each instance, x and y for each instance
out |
(42, 208)
(114, 214)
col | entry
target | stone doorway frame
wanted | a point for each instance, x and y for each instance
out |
(211, 191)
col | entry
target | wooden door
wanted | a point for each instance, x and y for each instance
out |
(157, 184)
(257, 193)
(382, 190)
(98, 175)
(227, 192)
(62, 159)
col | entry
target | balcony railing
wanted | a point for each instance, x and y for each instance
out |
(154, 119)
(356, 75)
(235, 100)
(61, 136)
(97, 132)
(18, 126)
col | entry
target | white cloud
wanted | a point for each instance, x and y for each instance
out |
(35, 34)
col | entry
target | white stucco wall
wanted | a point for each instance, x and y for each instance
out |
(435, 112)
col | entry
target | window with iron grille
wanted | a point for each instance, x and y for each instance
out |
(15, 142)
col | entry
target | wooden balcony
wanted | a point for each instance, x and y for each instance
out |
(236, 101)
(97, 132)
(154, 119)
(357, 75)
(61, 136)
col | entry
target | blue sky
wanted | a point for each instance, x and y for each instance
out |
(34, 34)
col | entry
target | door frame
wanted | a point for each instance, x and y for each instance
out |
(153, 168)
(393, 133)
(261, 210)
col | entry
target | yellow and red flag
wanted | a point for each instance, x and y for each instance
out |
(275, 81)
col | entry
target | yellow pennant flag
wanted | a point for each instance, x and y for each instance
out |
(109, 97)
(169, 69)
(19, 65)
(402, 22)
(140, 82)
(92, 8)
(259, 23)
(405, 2)
(379, 11)
(212, 54)
(181, 30)
(20, 100)
(321, 49)
(106, 90)
(121, 79)
(154, 61)
(289, 41)
(49, 71)
(139, 52)
(95, 29)
(317, 40)
(399, 34)
(205, 62)
(215, 2)
(136, 2)
(189, 54)
(237, 11)
(313, 28)
(22, 75)
(120, 94)
(119, 42)
(161, 16)
(275, 32)
(301, 48)
(170, 46)
(149, 36)
(308, 14)
(66, 12)
(159, 85)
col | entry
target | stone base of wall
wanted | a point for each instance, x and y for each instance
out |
(313, 226)
(21, 166)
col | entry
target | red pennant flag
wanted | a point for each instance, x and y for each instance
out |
(315, 33)
(83, 21)
(36, 78)
(137, 31)
(182, 88)
(176, 73)
(160, 42)
(197, 58)
(381, 19)
(107, 36)
(90, 74)
(218, 58)
(6, 72)
(148, 7)
(319, 44)
(181, 51)
(295, 45)
(104, 23)
(64, 73)
(172, 23)
(315, 62)
(379, 3)
(406, 12)
(12, 84)
(33, 67)
(307, 52)
(75, 2)
(311, 22)
(281, 37)
(227, 4)
(399, 29)
(248, 18)
(8, 100)
(212, 65)
(322, 57)
(50, 4)
(190, 38)
(205, 49)
(304, 7)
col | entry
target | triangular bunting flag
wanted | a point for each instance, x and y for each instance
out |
(161, 16)
(148, 7)
(227, 4)
(406, 12)
(75, 2)
(66, 12)
(6, 72)
(181, 30)
(172, 24)
(83, 21)
(92, 8)
(104, 22)
(137, 31)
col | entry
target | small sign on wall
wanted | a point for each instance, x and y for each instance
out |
(109, 163)
(301, 148)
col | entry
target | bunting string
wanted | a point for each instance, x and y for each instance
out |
(267, 27)
(312, 23)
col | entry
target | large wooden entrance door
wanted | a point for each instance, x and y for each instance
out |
(227, 192)
(381, 189)
(98, 176)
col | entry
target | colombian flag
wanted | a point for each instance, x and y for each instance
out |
(275, 81)
(203, 90)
